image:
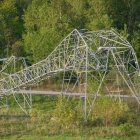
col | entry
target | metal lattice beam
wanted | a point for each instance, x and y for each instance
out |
(95, 59)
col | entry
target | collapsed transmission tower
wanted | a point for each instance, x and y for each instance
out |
(9, 66)
(92, 64)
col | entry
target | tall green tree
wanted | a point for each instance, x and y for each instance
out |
(97, 15)
(41, 30)
(124, 12)
(136, 43)
(46, 22)
(10, 30)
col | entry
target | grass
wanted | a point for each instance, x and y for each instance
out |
(61, 137)
(42, 125)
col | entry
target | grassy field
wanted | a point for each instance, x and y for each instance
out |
(67, 138)
(47, 122)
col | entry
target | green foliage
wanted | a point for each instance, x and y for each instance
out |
(66, 137)
(41, 35)
(124, 12)
(107, 111)
(38, 45)
(136, 43)
(97, 15)
(98, 121)
(127, 117)
(65, 119)
(66, 114)
(127, 129)
(9, 26)
(124, 32)
(47, 22)
(17, 49)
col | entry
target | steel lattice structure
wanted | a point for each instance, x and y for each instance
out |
(9, 66)
(96, 61)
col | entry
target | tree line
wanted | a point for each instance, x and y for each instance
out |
(33, 28)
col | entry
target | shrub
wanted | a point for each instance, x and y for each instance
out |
(127, 129)
(67, 113)
(97, 121)
(127, 117)
(109, 110)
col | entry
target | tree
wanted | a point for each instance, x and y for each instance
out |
(41, 30)
(9, 26)
(124, 12)
(17, 49)
(97, 15)
(47, 22)
(136, 43)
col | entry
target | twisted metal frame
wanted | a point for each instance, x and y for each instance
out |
(92, 63)
(9, 66)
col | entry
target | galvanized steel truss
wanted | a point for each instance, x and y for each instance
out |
(97, 59)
